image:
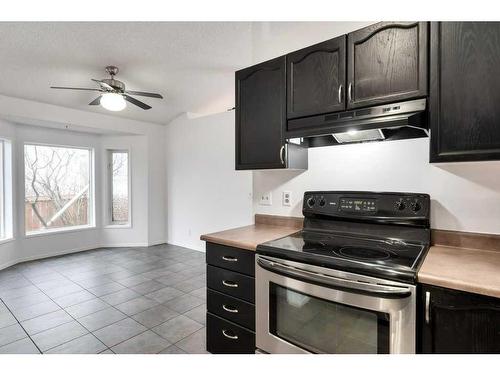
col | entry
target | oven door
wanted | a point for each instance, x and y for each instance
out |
(308, 309)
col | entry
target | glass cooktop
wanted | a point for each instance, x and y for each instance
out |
(367, 255)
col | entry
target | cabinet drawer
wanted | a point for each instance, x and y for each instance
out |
(230, 308)
(231, 258)
(232, 283)
(224, 337)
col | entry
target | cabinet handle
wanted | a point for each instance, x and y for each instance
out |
(230, 309)
(229, 258)
(229, 284)
(228, 335)
(427, 307)
(349, 92)
(340, 94)
(281, 154)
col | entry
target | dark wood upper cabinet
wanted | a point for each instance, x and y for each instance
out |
(316, 79)
(386, 62)
(465, 91)
(456, 322)
(261, 115)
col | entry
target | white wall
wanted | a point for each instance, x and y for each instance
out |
(204, 192)
(157, 187)
(273, 39)
(465, 196)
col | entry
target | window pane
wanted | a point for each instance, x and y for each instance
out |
(119, 182)
(57, 187)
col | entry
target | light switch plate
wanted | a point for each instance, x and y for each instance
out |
(287, 198)
(266, 199)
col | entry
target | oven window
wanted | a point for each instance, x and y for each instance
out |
(322, 326)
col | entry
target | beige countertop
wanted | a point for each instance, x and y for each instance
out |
(250, 236)
(469, 270)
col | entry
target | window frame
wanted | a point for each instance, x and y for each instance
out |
(110, 223)
(6, 190)
(92, 198)
(2, 191)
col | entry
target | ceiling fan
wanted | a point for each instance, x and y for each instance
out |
(114, 96)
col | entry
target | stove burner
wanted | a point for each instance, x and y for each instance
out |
(363, 253)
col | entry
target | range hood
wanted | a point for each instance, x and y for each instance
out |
(381, 123)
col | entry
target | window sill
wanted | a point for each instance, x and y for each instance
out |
(118, 226)
(6, 240)
(60, 231)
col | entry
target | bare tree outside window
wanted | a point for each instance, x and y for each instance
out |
(119, 187)
(57, 187)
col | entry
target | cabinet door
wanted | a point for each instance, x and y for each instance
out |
(260, 115)
(316, 79)
(387, 62)
(465, 91)
(459, 322)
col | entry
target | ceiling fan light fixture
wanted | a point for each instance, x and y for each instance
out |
(113, 102)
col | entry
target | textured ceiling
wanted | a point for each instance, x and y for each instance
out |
(191, 64)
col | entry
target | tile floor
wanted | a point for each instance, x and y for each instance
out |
(122, 300)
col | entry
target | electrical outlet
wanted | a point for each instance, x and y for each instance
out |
(287, 198)
(266, 199)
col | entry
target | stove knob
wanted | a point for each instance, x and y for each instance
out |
(415, 206)
(311, 202)
(322, 202)
(400, 205)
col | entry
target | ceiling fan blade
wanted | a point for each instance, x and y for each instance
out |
(142, 93)
(73, 88)
(96, 101)
(137, 102)
(103, 84)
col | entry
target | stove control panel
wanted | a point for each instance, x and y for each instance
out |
(368, 205)
(357, 205)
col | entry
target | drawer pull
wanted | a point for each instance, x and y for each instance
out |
(427, 307)
(228, 335)
(229, 284)
(229, 259)
(230, 309)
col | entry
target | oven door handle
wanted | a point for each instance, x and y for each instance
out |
(384, 290)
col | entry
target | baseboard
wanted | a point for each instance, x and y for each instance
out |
(126, 244)
(183, 245)
(157, 242)
(70, 251)
(43, 256)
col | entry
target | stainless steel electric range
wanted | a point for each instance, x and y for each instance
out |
(346, 283)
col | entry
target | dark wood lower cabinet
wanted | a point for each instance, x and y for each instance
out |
(230, 300)
(225, 337)
(230, 308)
(455, 322)
(232, 283)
